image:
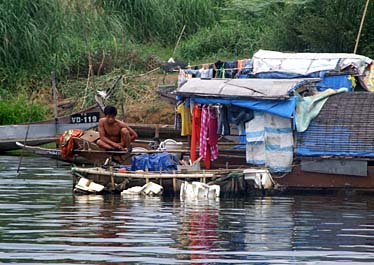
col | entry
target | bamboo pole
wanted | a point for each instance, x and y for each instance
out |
(142, 175)
(179, 38)
(361, 25)
(24, 142)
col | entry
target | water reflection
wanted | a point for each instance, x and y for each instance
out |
(43, 222)
(198, 229)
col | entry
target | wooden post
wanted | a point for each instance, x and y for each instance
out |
(157, 131)
(361, 24)
(55, 101)
(112, 176)
(112, 179)
(174, 183)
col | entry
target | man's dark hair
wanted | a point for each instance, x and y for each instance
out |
(110, 110)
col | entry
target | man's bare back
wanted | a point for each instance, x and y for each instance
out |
(114, 134)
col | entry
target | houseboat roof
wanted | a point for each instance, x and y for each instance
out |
(307, 63)
(243, 88)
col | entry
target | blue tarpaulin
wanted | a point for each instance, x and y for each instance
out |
(154, 162)
(282, 108)
(327, 81)
(335, 82)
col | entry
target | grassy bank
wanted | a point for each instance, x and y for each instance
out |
(88, 43)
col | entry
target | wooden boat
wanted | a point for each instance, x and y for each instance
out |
(47, 131)
(79, 157)
(88, 153)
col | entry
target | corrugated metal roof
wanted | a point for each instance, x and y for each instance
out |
(344, 127)
(250, 88)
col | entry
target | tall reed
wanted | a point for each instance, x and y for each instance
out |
(162, 20)
(45, 35)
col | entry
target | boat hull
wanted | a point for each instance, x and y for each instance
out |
(298, 179)
(37, 133)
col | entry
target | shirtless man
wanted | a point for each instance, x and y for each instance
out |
(114, 134)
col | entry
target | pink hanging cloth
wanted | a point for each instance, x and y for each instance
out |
(208, 135)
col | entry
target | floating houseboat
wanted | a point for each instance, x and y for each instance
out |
(294, 121)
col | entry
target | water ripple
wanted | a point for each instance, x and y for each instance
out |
(43, 222)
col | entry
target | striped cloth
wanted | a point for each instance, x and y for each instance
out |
(208, 133)
(270, 142)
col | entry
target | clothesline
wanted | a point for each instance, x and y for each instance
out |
(202, 64)
(217, 69)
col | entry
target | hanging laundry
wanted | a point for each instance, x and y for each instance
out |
(177, 121)
(246, 71)
(196, 125)
(177, 118)
(241, 68)
(203, 146)
(241, 63)
(185, 113)
(212, 132)
(205, 72)
(230, 114)
(208, 135)
(219, 71)
(194, 73)
(183, 77)
(223, 121)
(230, 69)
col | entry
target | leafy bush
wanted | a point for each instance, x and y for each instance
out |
(232, 40)
(19, 110)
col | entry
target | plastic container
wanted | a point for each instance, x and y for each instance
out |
(171, 145)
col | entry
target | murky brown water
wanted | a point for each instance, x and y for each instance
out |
(42, 222)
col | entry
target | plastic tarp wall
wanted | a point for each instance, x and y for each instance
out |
(306, 63)
(282, 108)
(269, 142)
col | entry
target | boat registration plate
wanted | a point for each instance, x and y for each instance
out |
(88, 117)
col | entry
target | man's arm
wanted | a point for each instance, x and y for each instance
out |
(133, 134)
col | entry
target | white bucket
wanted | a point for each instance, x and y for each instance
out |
(171, 145)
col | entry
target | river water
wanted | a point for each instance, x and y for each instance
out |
(43, 222)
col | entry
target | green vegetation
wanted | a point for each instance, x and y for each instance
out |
(19, 109)
(102, 39)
